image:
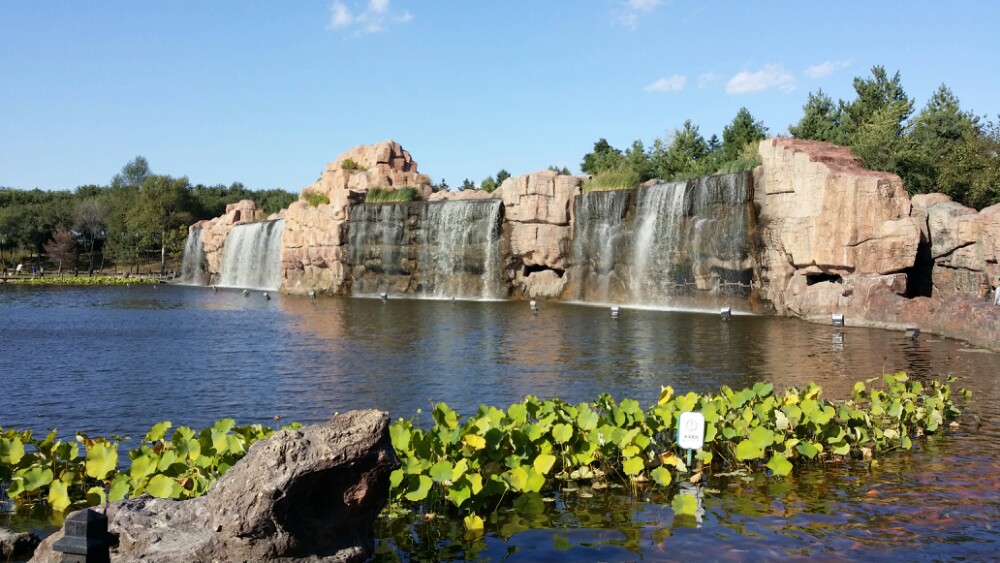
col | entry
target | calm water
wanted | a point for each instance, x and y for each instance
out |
(117, 360)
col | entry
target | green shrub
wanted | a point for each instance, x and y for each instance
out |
(621, 178)
(401, 195)
(315, 199)
(349, 164)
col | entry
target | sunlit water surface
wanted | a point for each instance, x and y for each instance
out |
(117, 360)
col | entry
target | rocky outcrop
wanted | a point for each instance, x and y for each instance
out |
(309, 493)
(962, 247)
(214, 231)
(16, 545)
(539, 212)
(829, 225)
(313, 245)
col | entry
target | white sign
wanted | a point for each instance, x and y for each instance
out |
(691, 434)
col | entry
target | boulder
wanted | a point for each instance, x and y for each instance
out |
(312, 493)
(16, 545)
(963, 246)
(825, 217)
(539, 212)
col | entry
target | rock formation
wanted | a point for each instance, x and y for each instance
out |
(539, 211)
(214, 231)
(313, 255)
(827, 224)
(309, 493)
(963, 247)
(16, 545)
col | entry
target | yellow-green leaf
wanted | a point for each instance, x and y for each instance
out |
(101, 459)
(661, 475)
(779, 465)
(633, 466)
(543, 463)
(58, 496)
(474, 441)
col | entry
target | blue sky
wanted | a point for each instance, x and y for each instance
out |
(266, 93)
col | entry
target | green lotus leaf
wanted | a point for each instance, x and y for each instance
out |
(779, 465)
(517, 478)
(400, 437)
(96, 496)
(161, 486)
(543, 463)
(101, 460)
(224, 425)
(11, 450)
(459, 494)
(633, 466)
(473, 523)
(419, 493)
(747, 450)
(33, 478)
(59, 496)
(158, 431)
(807, 449)
(661, 475)
(441, 471)
(119, 487)
(587, 419)
(562, 433)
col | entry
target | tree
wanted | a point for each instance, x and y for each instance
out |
(467, 184)
(604, 157)
(738, 134)
(875, 94)
(681, 156)
(944, 158)
(488, 184)
(443, 184)
(61, 248)
(563, 170)
(502, 175)
(90, 228)
(164, 205)
(132, 174)
(820, 120)
(638, 161)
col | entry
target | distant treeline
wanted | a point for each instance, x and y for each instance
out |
(941, 148)
(138, 217)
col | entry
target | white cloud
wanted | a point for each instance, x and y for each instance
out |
(825, 69)
(371, 17)
(668, 84)
(705, 80)
(633, 9)
(771, 76)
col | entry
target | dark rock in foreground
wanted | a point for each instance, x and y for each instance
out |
(311, 493)
(16, 545)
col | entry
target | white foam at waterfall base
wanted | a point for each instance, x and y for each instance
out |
(251, 257)
(192, 263)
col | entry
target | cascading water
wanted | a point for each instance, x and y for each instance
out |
(459, 249)
(651, 245)
(251, 257)
(193, 262)
(438, 250)
(600, 235)
(378, 247)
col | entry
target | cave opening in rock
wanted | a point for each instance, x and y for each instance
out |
(812, 279)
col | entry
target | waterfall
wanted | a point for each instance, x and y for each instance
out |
(193, 261)
(663, 244)
(251, 257)
(597, 243)
(378, 248)
(658, 241)
(459, 249)
(448, 249)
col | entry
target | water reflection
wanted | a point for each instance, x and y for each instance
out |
(117, 360)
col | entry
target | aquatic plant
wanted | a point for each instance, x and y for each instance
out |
(85, 280)
(540, 444)
(469, 466)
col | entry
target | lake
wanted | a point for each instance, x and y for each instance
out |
(117, 360)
